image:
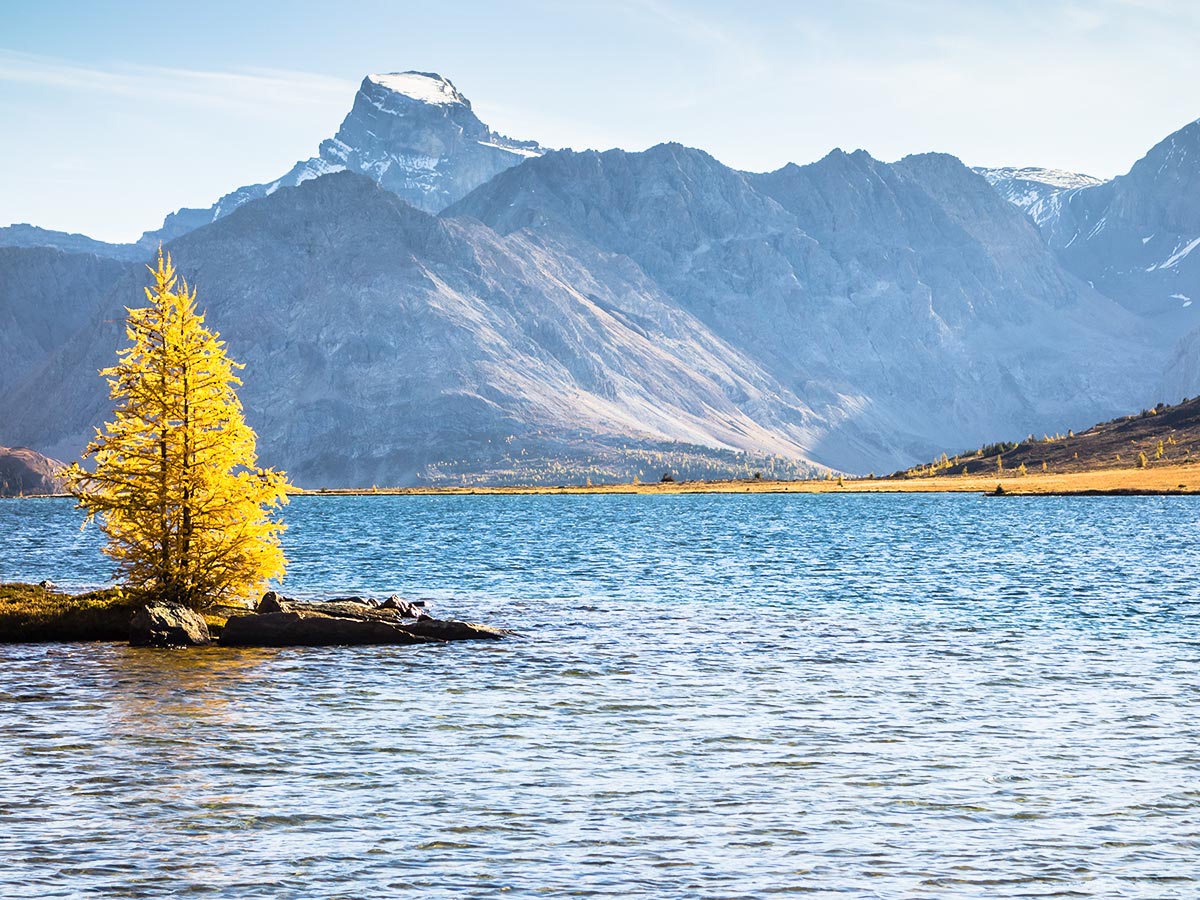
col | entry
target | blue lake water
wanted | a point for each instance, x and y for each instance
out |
(711, 697)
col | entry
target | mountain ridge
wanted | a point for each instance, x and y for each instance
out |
(461, 335)
(609, 309)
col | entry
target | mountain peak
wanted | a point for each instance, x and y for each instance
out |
(424, 87)
(411, 132)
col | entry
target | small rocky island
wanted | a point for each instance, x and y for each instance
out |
(41, 613)
(278, 621)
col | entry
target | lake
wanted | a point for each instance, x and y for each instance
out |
(713, 696)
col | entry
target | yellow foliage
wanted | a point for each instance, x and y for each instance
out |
(176, 486)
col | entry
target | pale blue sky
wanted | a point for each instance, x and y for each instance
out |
(113, 114)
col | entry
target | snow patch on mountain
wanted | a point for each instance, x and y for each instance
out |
(1180, 254)
(509, 148)
(1052, 178)
(424, 87)
(313, 168)
(1035, 190)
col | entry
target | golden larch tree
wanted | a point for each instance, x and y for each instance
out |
(176, 488)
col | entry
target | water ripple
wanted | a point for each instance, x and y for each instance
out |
(713, 697)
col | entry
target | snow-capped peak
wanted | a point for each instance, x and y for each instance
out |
(426, 87)
(1055, 179)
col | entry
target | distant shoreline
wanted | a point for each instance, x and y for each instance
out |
(1174, 480)
(1167, 480)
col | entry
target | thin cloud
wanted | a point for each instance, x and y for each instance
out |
(247, 90)
(716, 35)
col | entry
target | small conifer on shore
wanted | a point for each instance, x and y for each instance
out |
(176, 486)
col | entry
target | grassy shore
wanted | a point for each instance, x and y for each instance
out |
(1176, 478)
(33, 614)
(29, 613)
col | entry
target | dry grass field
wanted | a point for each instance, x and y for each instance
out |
(1178, 478)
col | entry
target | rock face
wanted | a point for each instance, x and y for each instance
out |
(412, 132)
(26, 473)
(167, 625)
(46, 296)
(278, 622)
(621, 310)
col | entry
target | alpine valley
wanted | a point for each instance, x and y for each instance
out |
(426, 300)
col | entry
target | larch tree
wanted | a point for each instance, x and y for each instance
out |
(176, 488)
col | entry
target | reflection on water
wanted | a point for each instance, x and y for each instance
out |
(712, 697)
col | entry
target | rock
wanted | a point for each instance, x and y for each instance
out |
(167, 625)
(280, 622)
(350, 609)
(364, 601)
(47, 585)
(406, 609)
(307, 629)
(272, 602)
(450, 630)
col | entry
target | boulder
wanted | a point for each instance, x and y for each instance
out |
(390, 610)
(273, 602)
(167, 625)
(365, 601)
(450, 630)
(307, 629)
(281, 622)
(414, 610)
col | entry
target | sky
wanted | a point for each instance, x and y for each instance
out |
(114, 114)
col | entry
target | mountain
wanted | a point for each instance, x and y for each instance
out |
(385, 345)
(46, 296)
(1133, 238)
(31, 236)
(1031, 188)
(566, 314)
(24, 473)
(908, 305)
(412, 132)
